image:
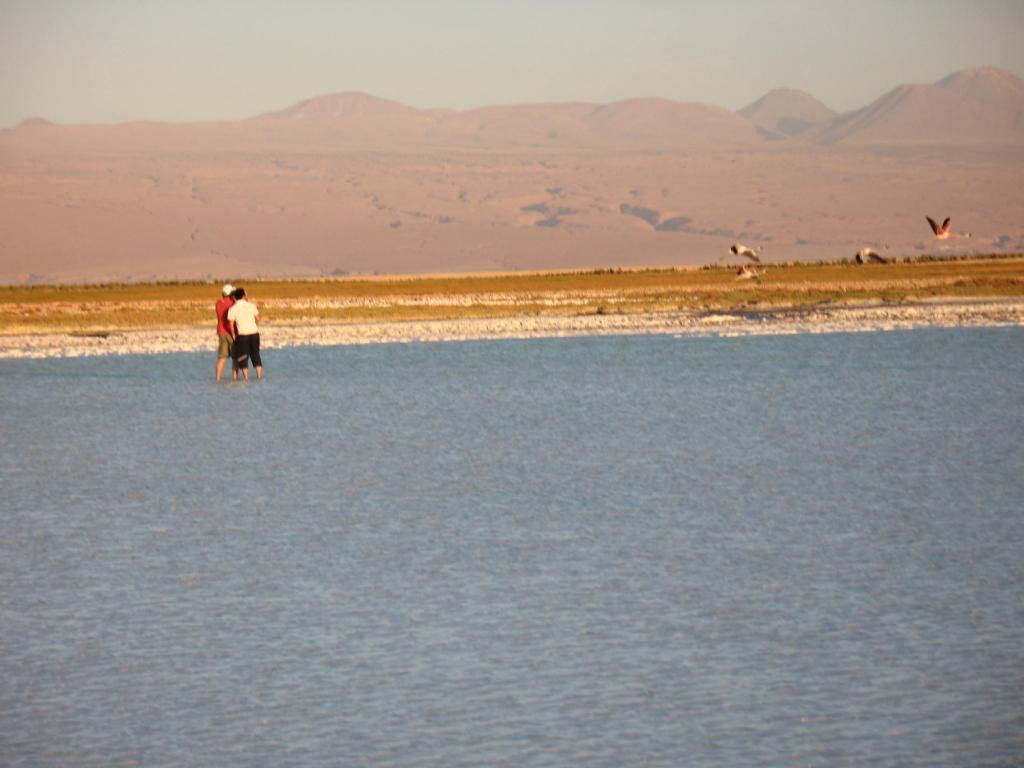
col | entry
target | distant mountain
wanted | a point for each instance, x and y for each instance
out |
(634, 121)
(786, 112)
(985, 84)
(984, 105)
(34, 122)
(361, 184)
(664, 121)
(516, 124)
(336, 105)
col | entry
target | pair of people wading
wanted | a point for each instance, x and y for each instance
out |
(238, 333)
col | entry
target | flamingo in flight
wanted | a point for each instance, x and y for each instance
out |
(741, 250)
(944, 231)
(868, 255)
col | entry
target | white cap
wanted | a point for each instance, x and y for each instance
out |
(228, 288)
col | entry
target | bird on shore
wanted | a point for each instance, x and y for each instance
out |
(944, 231)
(738, 249)
(746, 273)
(868, 255)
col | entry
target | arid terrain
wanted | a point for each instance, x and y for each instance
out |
(60, 320)
(353, 184)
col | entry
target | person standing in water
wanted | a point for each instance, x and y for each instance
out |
(225, 335)
(244, 319)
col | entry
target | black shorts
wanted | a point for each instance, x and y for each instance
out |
(246, 347)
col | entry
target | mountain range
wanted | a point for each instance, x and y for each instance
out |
(982, 105)
(353, 183)
(974, 106)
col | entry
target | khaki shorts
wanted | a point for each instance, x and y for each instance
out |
(223, 347)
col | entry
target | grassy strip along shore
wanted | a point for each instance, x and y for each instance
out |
(86, 309)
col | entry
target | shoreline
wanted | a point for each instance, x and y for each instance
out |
(853, 318)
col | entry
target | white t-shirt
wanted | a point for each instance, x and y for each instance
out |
(244, 314)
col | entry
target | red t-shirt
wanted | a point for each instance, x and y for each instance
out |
(223, 326)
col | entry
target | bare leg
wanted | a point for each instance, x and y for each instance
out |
(245, 373)
(259, 372)
(220, 367)
(234, 371)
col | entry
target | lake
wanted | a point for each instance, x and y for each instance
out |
(658, 551)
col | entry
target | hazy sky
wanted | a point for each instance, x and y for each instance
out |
(183, 60)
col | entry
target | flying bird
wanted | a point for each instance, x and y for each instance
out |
(941, 232)
(944, 231)
(868, 255)
(739, 249)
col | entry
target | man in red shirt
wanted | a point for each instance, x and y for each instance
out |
(225, 335)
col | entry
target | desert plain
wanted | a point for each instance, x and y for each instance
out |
(354, 218)
(354, 184)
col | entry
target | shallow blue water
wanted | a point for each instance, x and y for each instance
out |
(784, 551)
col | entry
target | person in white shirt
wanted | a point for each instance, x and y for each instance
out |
(244, 318)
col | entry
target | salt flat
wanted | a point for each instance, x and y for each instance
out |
(835, 319)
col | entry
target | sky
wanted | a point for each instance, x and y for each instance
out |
(109, 61)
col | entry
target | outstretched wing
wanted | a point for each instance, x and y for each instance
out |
(945, 224)
(934, 225)
(741, 250)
